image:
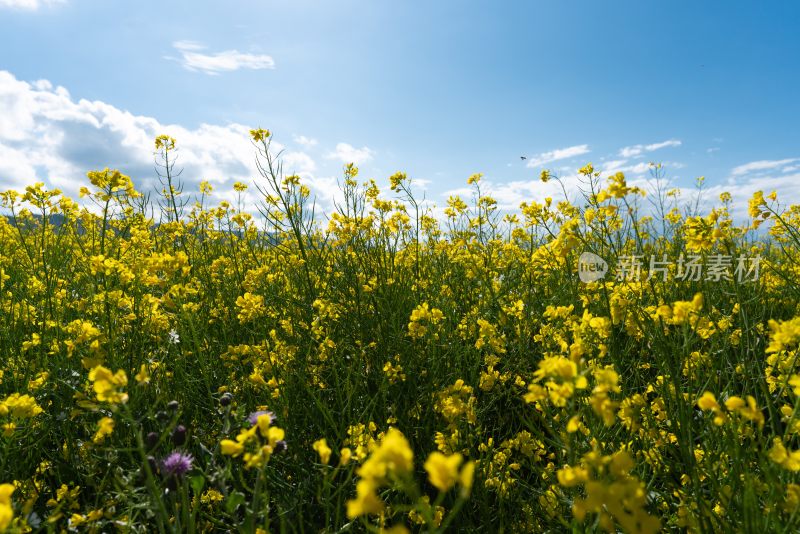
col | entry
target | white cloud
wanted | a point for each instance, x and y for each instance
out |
(640, 168)
(783, 178)
(610, 167)
(298, 163)
(326, 189)
(349, 154)
(762, 165)
(307, 142)
(558, 154)
(47, 135)
(638, 150)
(28, 4)
(422, 183)
(742, 188)
(192, 58)
(509, 195)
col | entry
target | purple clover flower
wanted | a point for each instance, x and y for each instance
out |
(177, 464)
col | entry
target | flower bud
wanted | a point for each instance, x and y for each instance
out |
(179, 435)
(151, 440)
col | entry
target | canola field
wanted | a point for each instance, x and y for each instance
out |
(177, 363)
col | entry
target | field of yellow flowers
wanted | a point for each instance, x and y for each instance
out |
(169, 365)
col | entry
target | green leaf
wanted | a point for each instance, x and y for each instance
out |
(197, 482)
(234, 499)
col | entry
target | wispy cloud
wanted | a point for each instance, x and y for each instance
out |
(510, 194)
(31, 5)
(640, 168)
(636, 169)
(613, 166)
(558, 154)
(349, 154)
(422, 183)
(194, 58)
(762, 165)
(302, 140)
(638, 150)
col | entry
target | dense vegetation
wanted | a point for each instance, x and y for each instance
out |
(204, 369)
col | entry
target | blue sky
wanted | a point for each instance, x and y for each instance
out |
(439, 90)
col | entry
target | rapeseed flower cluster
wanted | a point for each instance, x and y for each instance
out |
(611, 492)
(255, 444)
(391, 460)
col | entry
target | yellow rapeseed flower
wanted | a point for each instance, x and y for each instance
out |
(20, 406)
(443, 470)
(785, 458)
(6, 511)
(321, 446)
(392, 458)
(108, 386)
(105, 427)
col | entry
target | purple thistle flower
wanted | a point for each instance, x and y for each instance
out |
(253, 417)
(177, 463)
